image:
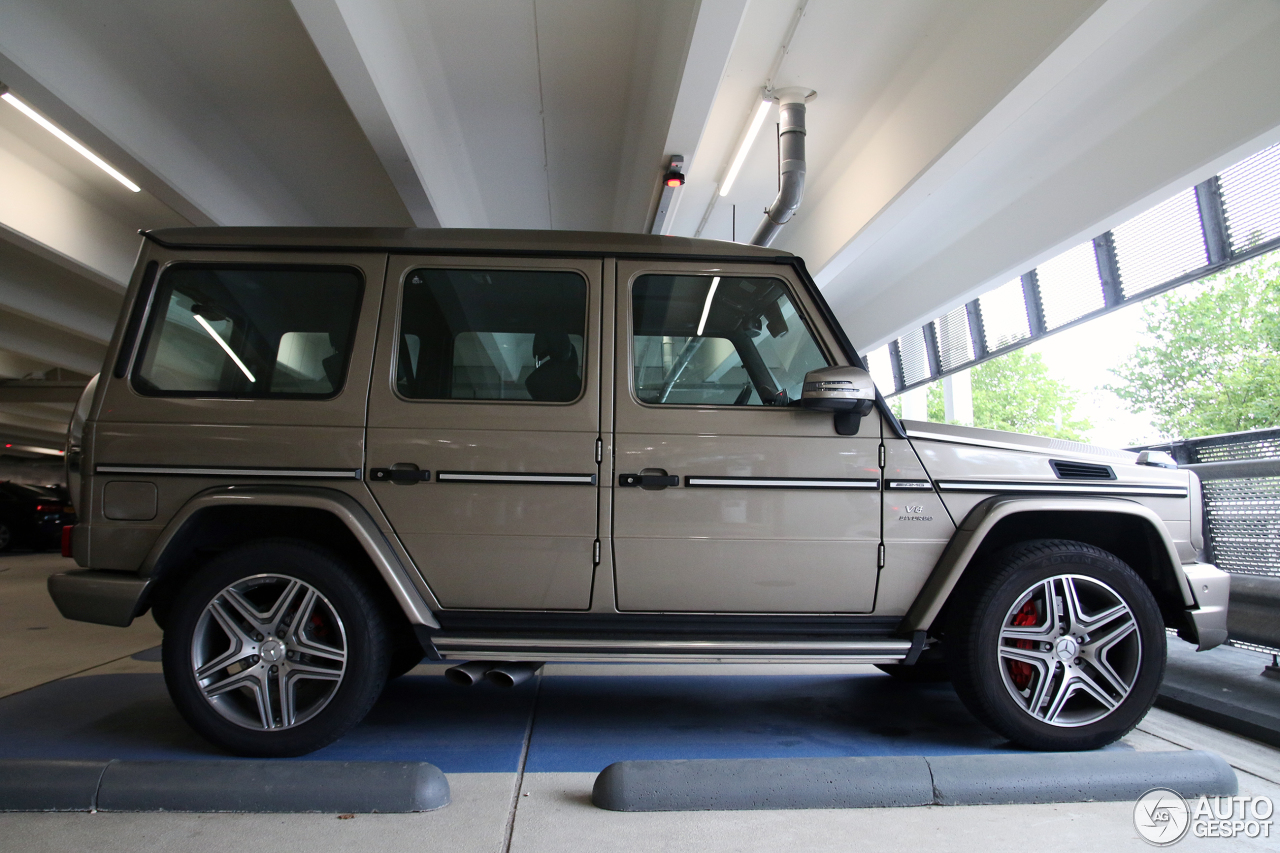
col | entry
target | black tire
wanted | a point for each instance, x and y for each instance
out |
(343, 621)
(6, 537)
(1017, 671)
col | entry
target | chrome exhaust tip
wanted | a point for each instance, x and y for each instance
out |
(467, 674)
(511, 674)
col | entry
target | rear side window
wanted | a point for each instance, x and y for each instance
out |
(274, 332)
(492, 335)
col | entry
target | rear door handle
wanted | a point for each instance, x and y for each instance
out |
(649, 478)
(400, 476)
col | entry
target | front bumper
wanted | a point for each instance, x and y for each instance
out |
(1207, 621)
(97, 595)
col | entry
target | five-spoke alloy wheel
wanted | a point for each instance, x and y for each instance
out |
(1062, 646)
(274, 648)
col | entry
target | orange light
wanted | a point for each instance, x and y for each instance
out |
(674, 182)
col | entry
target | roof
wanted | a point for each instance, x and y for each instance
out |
(455, 241)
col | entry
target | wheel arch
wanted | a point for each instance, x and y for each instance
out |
(1130, 530)
(222, 518)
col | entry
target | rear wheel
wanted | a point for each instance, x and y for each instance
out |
(274, 649)
(1061, 648)
(6, 537)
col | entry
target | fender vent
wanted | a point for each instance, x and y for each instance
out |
(1081, 470)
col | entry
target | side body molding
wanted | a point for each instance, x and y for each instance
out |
(339, 504)
(987, 514)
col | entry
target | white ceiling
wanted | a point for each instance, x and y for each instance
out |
(951, 145)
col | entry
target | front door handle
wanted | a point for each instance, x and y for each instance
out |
(402, 474)
(649, 478)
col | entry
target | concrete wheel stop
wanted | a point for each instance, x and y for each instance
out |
(247, 785)
(878, 782)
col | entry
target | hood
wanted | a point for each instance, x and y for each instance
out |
(1015, 441)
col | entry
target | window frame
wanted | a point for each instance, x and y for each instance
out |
(397, 332)
(787, 288)
(150, 320)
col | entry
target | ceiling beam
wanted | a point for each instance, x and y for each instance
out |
(413, 127)
(40, 391)
(324, 22)
(223, 111)
(33, 288)
(43, 205)
(1135, 106)
(21, 425)
(49, 346)
(662, 61)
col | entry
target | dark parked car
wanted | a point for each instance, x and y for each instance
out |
(33, 516)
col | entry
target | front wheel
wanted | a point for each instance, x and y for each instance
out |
(274, 648)
(1061, 648)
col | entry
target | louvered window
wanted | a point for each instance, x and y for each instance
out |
(1161, 244)
(1251, 198)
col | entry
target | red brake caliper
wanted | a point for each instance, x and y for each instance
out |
(1019, 671)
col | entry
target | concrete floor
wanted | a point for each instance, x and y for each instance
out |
(551, 811)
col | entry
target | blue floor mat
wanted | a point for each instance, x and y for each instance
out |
(418, 718)
(587, 722)
(581, 723)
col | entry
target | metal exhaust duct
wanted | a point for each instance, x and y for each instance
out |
(791, 111)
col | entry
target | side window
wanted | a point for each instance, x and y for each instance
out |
(718, 340)
(492, 335)
(220, 331)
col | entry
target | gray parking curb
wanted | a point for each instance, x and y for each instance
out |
(248, 785)
(830, 783)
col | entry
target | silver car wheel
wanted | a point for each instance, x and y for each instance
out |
(1069, 650)
(269, 652)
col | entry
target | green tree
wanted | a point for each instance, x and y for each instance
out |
(1212, 363)
(1015, 393)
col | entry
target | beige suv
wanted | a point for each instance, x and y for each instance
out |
(321, 455)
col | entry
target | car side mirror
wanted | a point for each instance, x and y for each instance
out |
(848, 392)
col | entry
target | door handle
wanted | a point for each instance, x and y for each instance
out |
(649, 478)
(401, 476)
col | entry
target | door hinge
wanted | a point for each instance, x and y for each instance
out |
(595, 559)
(599, 451)
(882, 457)
(880, 557)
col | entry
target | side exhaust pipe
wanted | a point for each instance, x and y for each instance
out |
(511, 674)
(467, 674)
(791, 111)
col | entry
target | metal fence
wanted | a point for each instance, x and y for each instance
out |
(1240, 473)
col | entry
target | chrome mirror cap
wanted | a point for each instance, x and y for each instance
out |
(838, 389)
(1156, 459)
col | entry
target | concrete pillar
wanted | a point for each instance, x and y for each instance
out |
(957, 398)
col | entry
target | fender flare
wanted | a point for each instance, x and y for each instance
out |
(982, 518)
(339, 504)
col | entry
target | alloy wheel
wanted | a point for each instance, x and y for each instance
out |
(269, 652)
(1069, 650)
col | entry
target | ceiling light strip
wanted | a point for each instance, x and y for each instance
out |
(61, 134)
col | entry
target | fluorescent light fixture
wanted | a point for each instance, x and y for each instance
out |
(217, 337)
(738, 159)
(58, 132)
(706, 307)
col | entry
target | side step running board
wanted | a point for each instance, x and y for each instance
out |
(702, 650)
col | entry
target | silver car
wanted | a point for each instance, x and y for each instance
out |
(319, 456)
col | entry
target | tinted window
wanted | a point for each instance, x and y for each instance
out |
(492, 335)
(714, 340)
(240, 332)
